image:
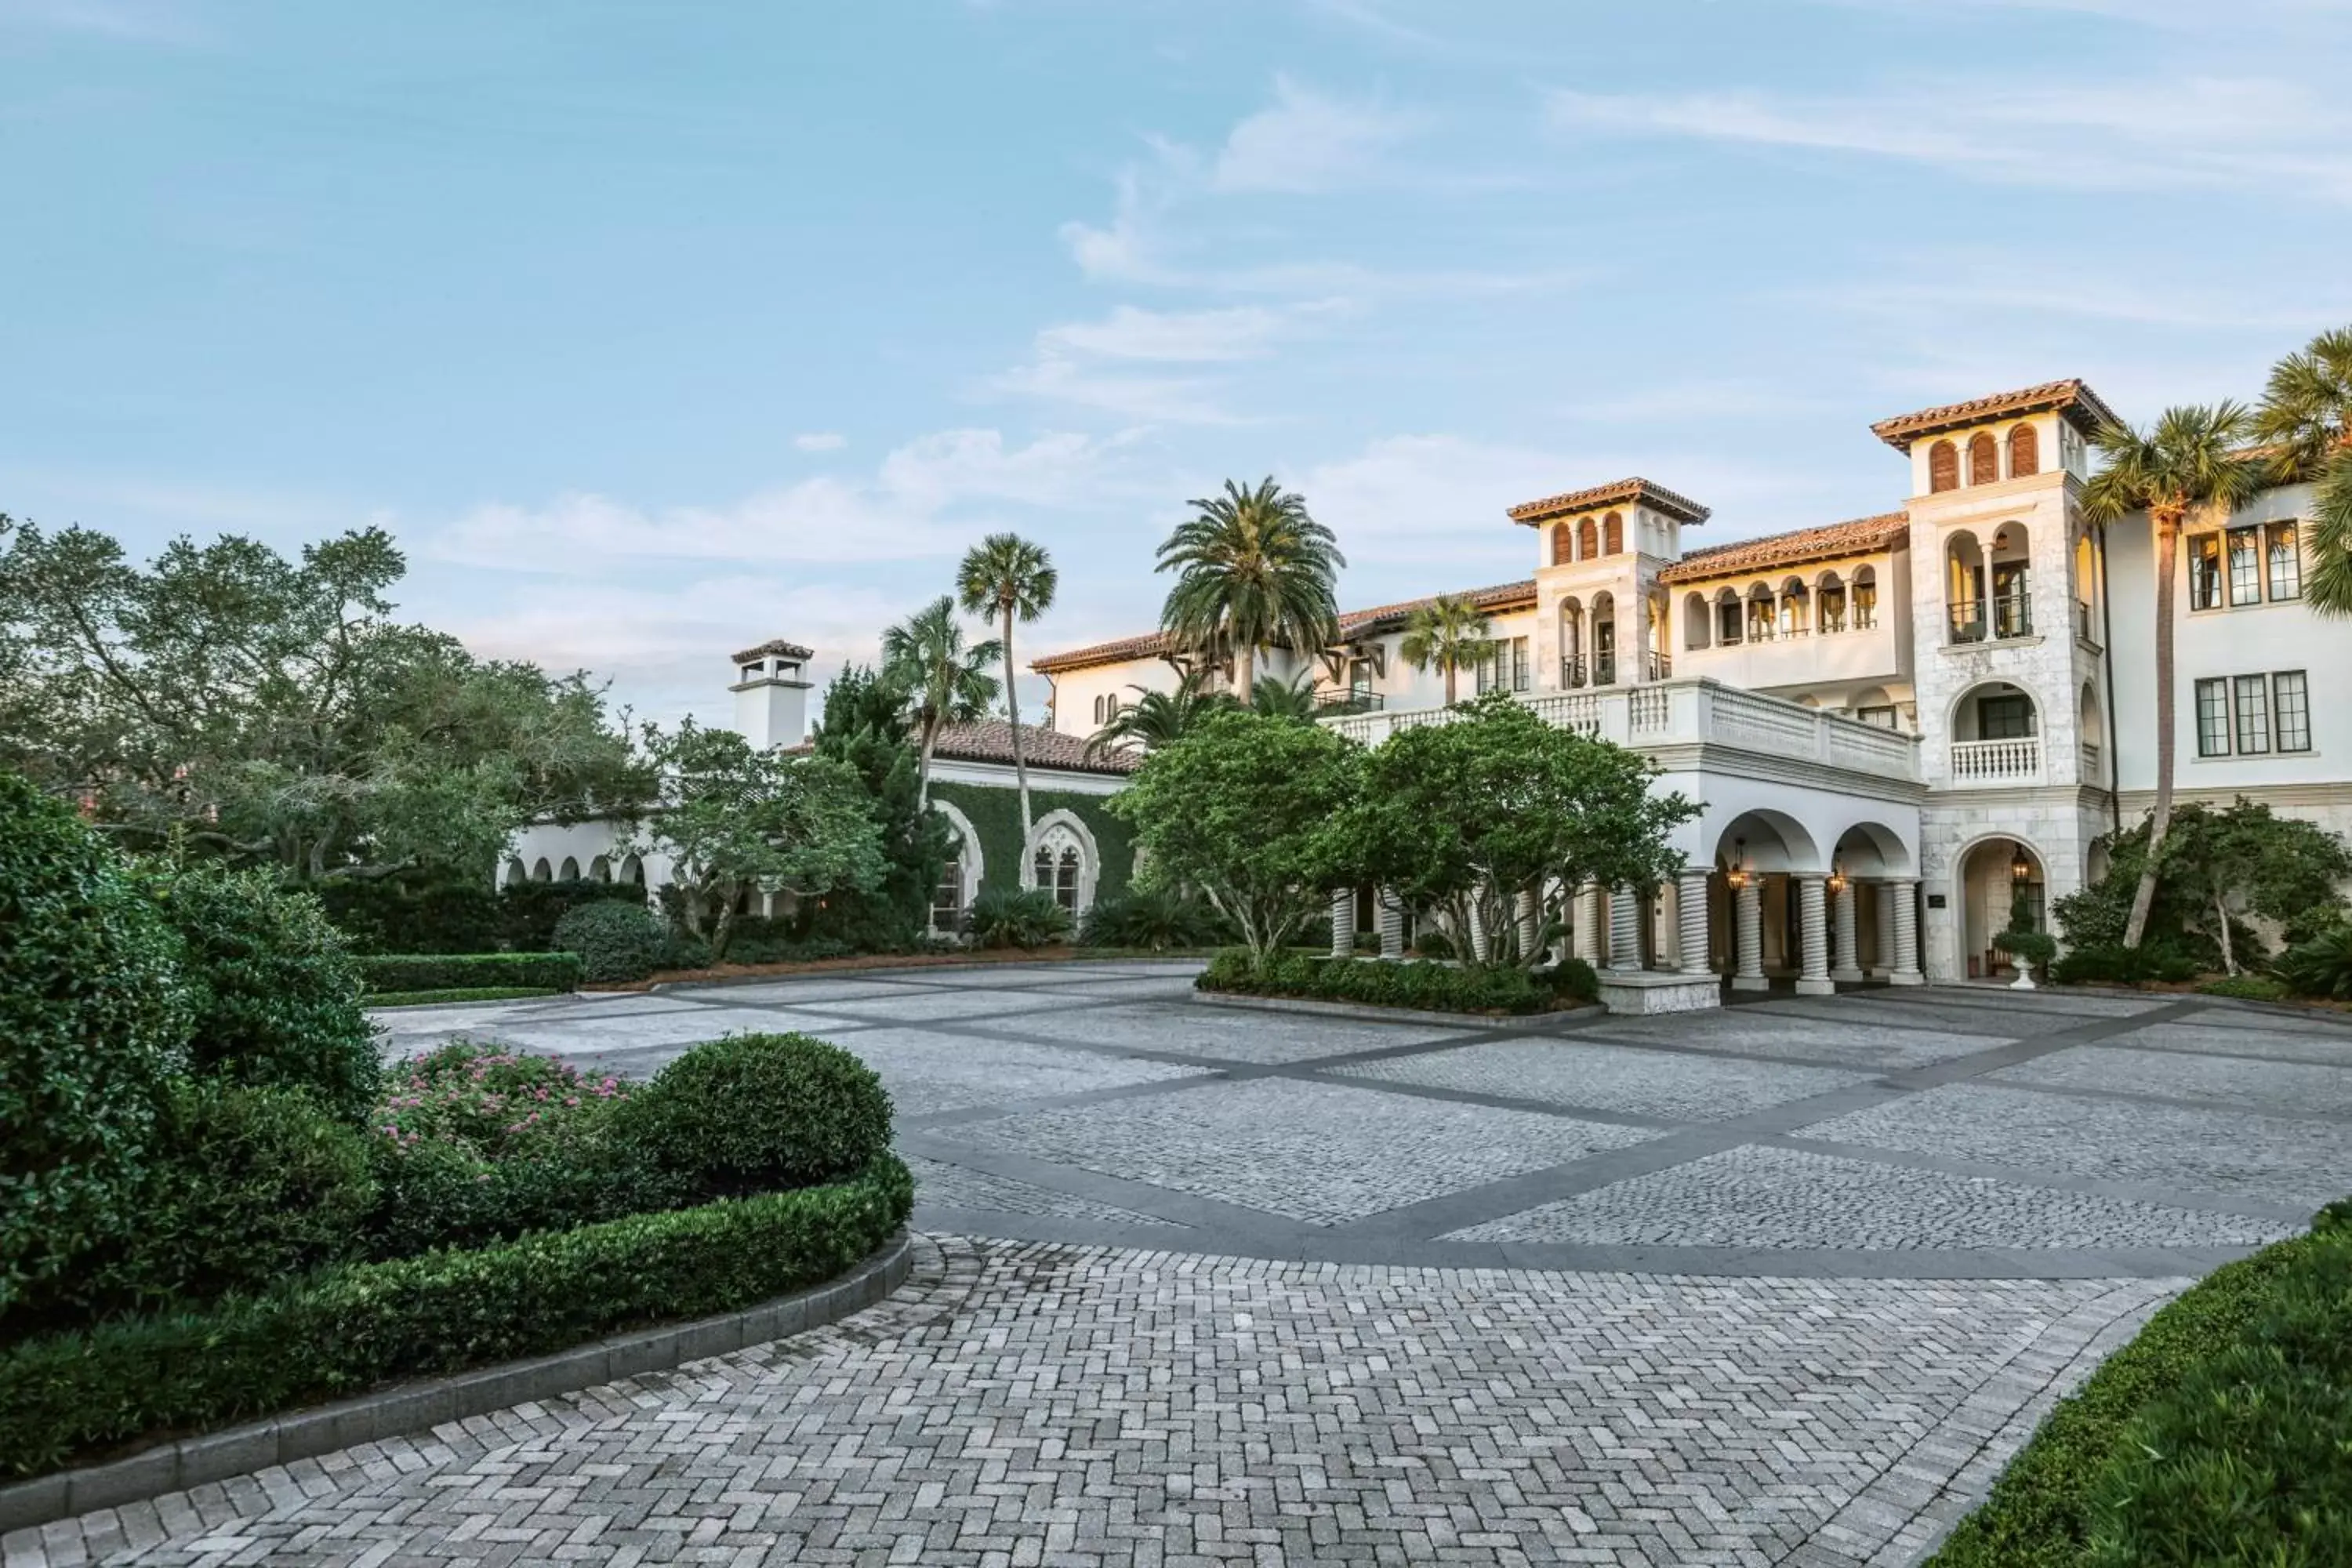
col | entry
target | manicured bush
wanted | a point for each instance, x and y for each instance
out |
(1433, 944)
(529, 911)
(1439, 987)
(2115, 965)
(1154, 920)
(246, 1188)
(617, 942)
(2321, 966)
(67, 1397)
(2247, 988)
(2027, 946)
(2042, 1512)
(1026, 918)
(465, 970)
(752, 1113)
(418, 913)
(378, 999)
(276, 989)
(1572, 979)
(93, 1021)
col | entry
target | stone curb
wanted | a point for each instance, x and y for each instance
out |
(415, 1406)
(1395, 1015)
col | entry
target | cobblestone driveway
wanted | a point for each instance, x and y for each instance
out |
(1779, 1285)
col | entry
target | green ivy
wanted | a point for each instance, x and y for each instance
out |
(995, 815)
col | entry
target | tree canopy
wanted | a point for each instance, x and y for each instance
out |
(1251, 568)
(274, 711)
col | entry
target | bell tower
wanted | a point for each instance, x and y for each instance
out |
(771, 695)
(1600, 616)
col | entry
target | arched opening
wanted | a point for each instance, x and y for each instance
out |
(570, 871)
(600, 870)
(1656, 661)
(1964, 578)
(1796, 608)
(541, 871)
(1574, 672)
(1763, 614)
(2090, 726)
(1728, 617)
(1613, 534)
(947, 895)
(1995, 732)
(633, 871)
(1588, 540)
(515, 873)
(1867, 854)
(1828, 603)
(1865, 598)
(1984, 458)
(1697, 627)
(1604, 640)
(2086, 590)
(2013, 601)
(2001, 882)
(1063, 860)
(2024, 451)
(1943, 467)
(1563, 544)
(1766, 850)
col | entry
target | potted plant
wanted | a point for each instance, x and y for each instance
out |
(2027, 949)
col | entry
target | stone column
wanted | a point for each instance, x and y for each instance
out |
(1391, 926)
(1690, 922)
(1625, 927)
(1748, 921)
(1847, 968)
(1904, 890)
(1814, 938)
(1586, 927)
(1481, 947)
(1885, 904)
(1530, 909)
(1343, 923)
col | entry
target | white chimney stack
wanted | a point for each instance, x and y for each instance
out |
(771, 697)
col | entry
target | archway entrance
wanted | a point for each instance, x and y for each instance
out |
(2000, 878)
(1755, 856)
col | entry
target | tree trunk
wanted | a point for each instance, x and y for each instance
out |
(1451, 672)
(1245, 673)
(1013, 711)
(2229, 954)
(923, 768)
(2168, 537)
(723, 932)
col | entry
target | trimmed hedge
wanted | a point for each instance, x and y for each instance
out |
(2179, 1388)
(458, 994)
(752, 1112)
(471, 971)
(69, 1399)
(1436, 987)
(617, 943)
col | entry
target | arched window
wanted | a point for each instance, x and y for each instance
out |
(1563, 544)
(1763, 615)
(515, 873)
(1943, 467)
(1795, 607)
(1828, 603)
(633, 871)
(1587, 541)
(2024, 451)
(1865, 598)
(1728, 614)
(1696, 621)
(947, 895)
(1984, 458)
(1065, 878)
(570, 872)
(1613, 534)
(541, 871)
(600, 870)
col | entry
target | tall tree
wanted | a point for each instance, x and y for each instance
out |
(2306, 413)
(945, 682)
(866, 726)
(1157, 718)
(1449, 632)
(1009, 576)
(1251, 568)
(2192, 462)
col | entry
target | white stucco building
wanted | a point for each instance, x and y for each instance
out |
(1896, 724)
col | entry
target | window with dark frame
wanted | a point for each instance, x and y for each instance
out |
(947, 898)
(2254, 724)
(2204, 571)
(2291, 710)
(2213, 718)
(1882, 717)
(2245, 566)
(1728, 614)
(1521, 666)
(2286, 562)
(2004, 718)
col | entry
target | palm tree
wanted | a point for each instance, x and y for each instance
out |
(945, 682)
(1157, 719)
(2306, 412)
(1449, 632)
(1285, 698)
(1009, 576)
(1251, 568)
(2193, 461)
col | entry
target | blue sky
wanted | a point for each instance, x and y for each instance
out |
(654, 329)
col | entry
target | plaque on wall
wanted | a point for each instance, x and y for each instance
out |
(1935, 900)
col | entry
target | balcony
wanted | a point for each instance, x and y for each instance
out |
(2017, 760)
(2082, 632)
(1680, 713)
(1604, 669)
(1981, 620)
(1349, 701)
(1572, 674)
(1657, 666)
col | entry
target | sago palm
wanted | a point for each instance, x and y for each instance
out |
(2306, 413)
(1251, 568)
(945, 682)
(2193, 461)
(1292, 699)
(1449, 632)
(1157, 719)
(1008, 576)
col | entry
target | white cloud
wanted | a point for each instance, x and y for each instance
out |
(1309, 142)
(821, 441)
(1092, 363)
(1180, 336)
(907, 511)
(2241, 133)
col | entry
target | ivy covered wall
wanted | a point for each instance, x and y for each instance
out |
(996, 816)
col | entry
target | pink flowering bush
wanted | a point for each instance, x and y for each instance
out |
(492, 1102)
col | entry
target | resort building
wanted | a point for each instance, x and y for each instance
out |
(1898, 724)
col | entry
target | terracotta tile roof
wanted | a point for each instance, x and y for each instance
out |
(1888, 530)
(777, 645)
(1352, 623)
(991, 740)
(1619, 492)
(2070, 397)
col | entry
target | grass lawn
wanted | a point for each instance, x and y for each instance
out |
(459, 994)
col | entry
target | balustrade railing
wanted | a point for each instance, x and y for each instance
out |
(1350, 701)
(1657, 666)
(2013, 760)
(2082, 632)
(2002, 616)
(1571, 673)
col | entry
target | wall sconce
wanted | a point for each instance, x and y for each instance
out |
(2021, 870)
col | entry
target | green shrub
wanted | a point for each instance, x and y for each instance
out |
(1433, 944)
(1154, 920)
(418, 912)
(439, 1195)
(1572, 979)
(2321, 966)
(456, 994)
(619, 943)
(2116, 964)
(467, 971)
(684, 950)
(1026, 918)
(1439, 987)
(752, 1113)
(93, 1021)
(247, 1187)
(2040, 1514)
(2032, 948)
(67, 1397)
(528, 911)
(277, 990)
(2247, 988)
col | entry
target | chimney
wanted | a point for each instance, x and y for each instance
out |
(771, 697)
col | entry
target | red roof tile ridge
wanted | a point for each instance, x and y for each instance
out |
(1615, 491)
